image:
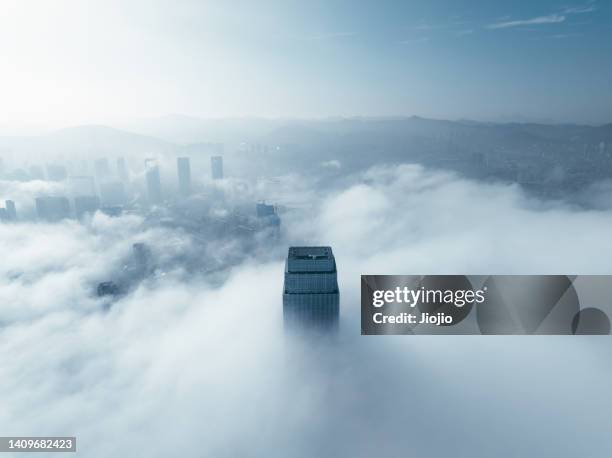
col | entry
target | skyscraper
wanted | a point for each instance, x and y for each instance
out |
(268, 218)
(216, 167)
(11, 211)
(112, 193)
(82, 185)
(153, 182)
(184, 175)
(86, 205)
(52, 209)
(310, 292)
(122, 171)
(264, 210)
(101, 169)
(143, 259)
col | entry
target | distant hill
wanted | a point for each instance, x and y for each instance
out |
(190, 129)
(360, 140)
(86, 141)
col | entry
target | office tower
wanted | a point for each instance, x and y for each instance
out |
(11, 211)
(310, 292)
(101, 169)
(86, 205)
(184, 175)
(83, 188)
(108, 288)
(82, 185)
(268, 218)
(112, 193)
(3, 215)
(153, 182)
(263, 210)
(122, 171)
(112, 211)
(216, 166)
(56, 172)
(143, 259)
(52, 209)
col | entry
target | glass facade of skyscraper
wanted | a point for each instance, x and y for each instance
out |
(310, 292)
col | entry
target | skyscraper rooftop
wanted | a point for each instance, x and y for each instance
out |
(310, 259)
(310, 290)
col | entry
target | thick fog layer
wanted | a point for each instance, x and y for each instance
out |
(185, 365)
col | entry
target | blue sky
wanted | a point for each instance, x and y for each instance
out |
(90, 61)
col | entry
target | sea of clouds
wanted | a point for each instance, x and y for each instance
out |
(188, 368)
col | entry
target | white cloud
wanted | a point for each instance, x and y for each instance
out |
(548, 19)
(579, 9)
(180, 367)
(333, 164)
(553, 18)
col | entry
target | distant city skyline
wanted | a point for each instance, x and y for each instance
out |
(70, 62)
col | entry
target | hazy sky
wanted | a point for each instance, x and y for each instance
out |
(71, 61)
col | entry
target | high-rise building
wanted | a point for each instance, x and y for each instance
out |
(112, 211)
(153, 182)
(310, 293)
(11, 211)
(143, 259)
(264, 210)
(112, 193)
(216, 167)
(268, 218)
(108, 288)
(82, 185)
(86, 205)
(52, 209)
(101, 169)
(122, 171)
(184, 175)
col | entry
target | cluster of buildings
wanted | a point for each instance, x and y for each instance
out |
(107, 190)
(310, 291)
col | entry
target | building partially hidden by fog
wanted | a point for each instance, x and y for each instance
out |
(143, 259)
(101, 169)
(310, 292)
(11, 210)
(112, 193)
(268, 218)
(216, 167)
(154, 189)
(52, 209)
(184, 175)
(122, 171)
(86, 205)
